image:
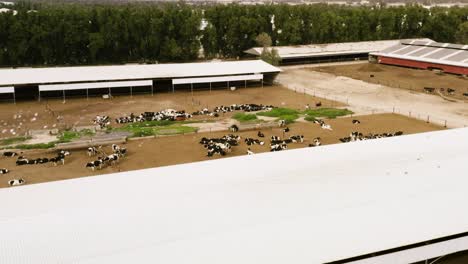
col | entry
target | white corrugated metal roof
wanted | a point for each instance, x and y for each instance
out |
(79, 86)
(131, 72)
(219, 79)
(309, 205)
(328, 49)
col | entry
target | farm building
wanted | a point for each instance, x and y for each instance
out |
(34, 83)
(319, 53)
(393, 200)
(425, 54)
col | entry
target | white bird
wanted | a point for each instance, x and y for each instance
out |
(35, 114)
(54, 125)
(33, 119)
(45, 127)
(4, 131)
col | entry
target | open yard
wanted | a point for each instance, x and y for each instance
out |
(16, 120)
(400, 77)
(170, 150)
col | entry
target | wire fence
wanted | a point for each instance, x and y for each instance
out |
(427, 117)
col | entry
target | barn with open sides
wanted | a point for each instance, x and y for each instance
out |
(331, 52)
(63, 82)
(425, 54)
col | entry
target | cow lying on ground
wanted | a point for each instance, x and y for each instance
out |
(260, 134)
(16, 182)
(9, 154)
(355, 121)
(102, 121)
(4, 171)
(357, 136)
(278, 147)
(429, 89)
(60, 158)
(167, 114)
(253, 141)
(220, 145)
(249, 152)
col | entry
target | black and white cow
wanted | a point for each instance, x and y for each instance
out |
(16, 182)
(450, 91)
(297, 138)
(260, 134)
(278, 147)
(250, 152)
(234, 128)
(95, 164)
(60, 158)
(9, 154)
(253, 141)
(318, 104)
(281, 123)
(4, 171)
(355, 121)
(21, 161)
(286, 130)
(92, 151)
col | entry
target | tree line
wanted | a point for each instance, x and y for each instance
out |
(80, 34)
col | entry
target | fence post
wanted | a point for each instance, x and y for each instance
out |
(445, 124)
(427, 119)
(393, 111)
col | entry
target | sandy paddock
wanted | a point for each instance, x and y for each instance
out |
(401, 77)
(172, 150)
(81, 112)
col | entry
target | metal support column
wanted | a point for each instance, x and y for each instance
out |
(152, 90)
(14, 97)
(87, 94)
(228, 85)
(172, 87)
(63, 91)
(39, 98)
(110, 95)
(210, 87)
(245, 83)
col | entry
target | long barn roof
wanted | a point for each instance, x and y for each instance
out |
(310, 205)
(19, 76)
(319, 50)
(428, 51)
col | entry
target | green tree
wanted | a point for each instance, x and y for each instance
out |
(263, 40)
(462, 33)
(270, 55)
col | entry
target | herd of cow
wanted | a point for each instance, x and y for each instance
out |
(224, 144)
(449, 91)
(357, 136)
(175, 115)
(59, 158)
(104, 159)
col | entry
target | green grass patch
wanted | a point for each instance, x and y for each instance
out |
(10, 141)
(142, 131)
(287, 114)
(331, 113)
(36, 146)
(242, 117)
(68, 136)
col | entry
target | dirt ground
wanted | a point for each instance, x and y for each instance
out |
(172, 150)
(80, 112)
(364, 97)
(400, 77)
